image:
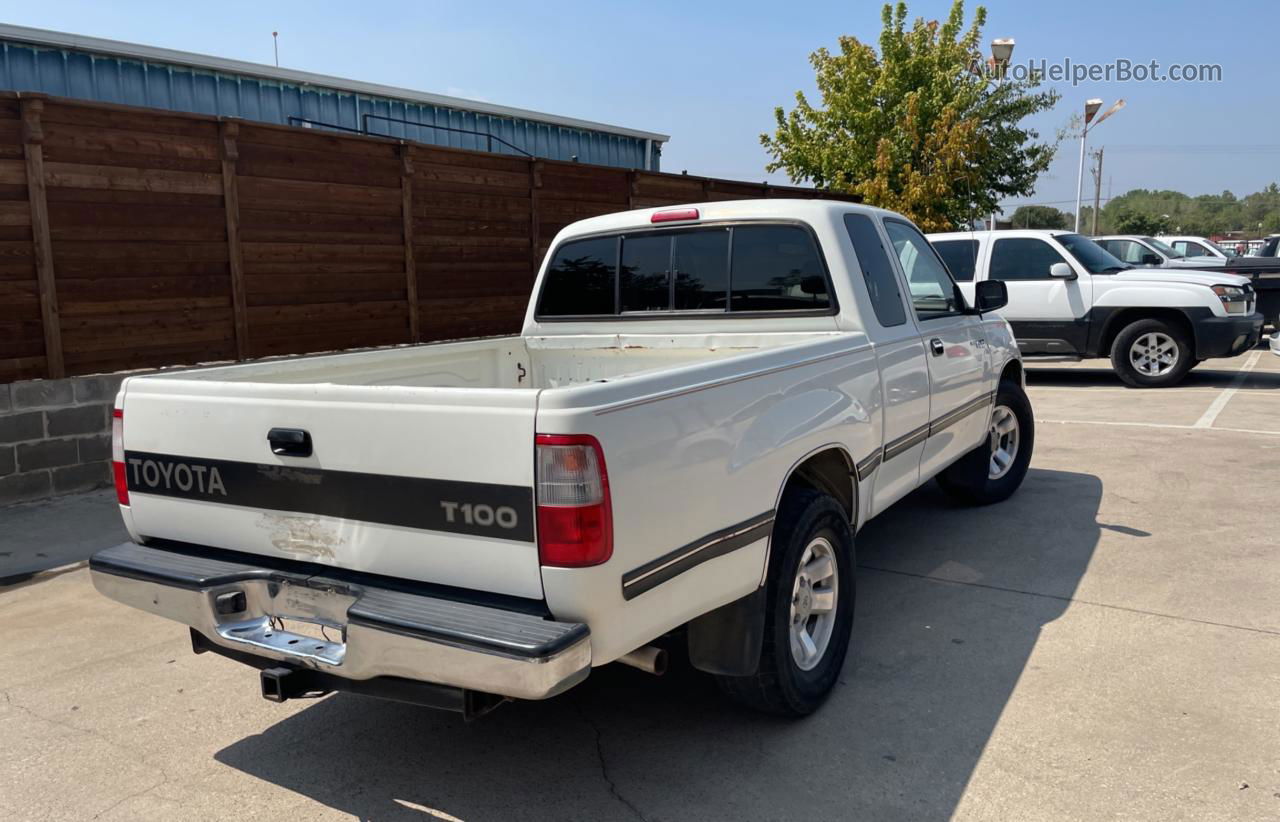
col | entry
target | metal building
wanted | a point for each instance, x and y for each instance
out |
(90, 68)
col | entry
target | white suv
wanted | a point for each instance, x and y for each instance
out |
(1070, 298)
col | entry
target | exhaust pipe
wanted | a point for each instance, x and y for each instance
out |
(648, 659)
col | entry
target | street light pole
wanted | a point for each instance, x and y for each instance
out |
(1001, 55)
(1090, 109)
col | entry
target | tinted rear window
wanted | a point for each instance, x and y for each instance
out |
(580, 279)
(644, 277)
(776, 268)
(959, 255)
(701, 262)
(737, 268)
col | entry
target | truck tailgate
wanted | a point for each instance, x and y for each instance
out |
(431, 484)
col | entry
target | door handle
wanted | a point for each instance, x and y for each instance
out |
(937, 347)
(289, 442)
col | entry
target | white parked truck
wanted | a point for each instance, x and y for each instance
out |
(705, 404)
(1070, 299)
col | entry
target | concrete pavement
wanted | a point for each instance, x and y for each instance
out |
(1105, 645)
(37, 536)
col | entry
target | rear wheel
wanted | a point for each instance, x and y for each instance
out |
(1151, 353)
(809, 599)
(994, 470)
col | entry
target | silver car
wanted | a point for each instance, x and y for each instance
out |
(1149, 252)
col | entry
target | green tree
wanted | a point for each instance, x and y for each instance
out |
(1036, 216)
(914, 127)
(1136, 222)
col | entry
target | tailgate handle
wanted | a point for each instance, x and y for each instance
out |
(289, 442)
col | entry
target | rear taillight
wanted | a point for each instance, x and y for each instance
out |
(117, 455)
(575, 518)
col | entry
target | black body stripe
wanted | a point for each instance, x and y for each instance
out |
(869, 464)
(672, 564)
(495, 511)
(954, 416)
(906, 442)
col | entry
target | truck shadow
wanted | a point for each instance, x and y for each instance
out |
(951, 602)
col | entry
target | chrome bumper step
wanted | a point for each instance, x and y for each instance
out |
(376, 631)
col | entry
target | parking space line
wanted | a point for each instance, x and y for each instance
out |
(1164, 392)
(1161, 425)
(1219, 403)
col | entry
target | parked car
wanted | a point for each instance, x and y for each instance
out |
(1192, 247)
(1150, 252)
(1070, 298)
(705, 404)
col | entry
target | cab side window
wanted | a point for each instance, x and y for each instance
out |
(1022, 258)
(877, 271)
(933, 292)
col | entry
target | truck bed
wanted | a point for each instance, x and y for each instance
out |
(508, 362)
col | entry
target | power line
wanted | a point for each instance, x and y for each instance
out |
(1198, 148)
(1049, 202)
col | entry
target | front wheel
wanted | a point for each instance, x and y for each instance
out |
(810, 609)
(1151, 353)
(994, 470)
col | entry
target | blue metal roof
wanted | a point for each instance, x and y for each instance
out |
(108, 71)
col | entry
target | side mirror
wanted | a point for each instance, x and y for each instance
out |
(1062, 271)
(989, 295)
(1151, 259)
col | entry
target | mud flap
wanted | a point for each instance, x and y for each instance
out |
(728, 640)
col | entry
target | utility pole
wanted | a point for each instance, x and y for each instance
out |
(1097, 188)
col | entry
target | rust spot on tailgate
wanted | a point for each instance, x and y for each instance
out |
(303, 537)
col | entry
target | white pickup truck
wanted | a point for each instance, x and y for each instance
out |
(1069, 298)
(705, 404)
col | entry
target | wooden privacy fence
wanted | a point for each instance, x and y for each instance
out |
(132, 237)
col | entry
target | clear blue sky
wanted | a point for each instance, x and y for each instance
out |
(709, 74)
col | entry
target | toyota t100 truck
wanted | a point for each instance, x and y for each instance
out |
(704, 406)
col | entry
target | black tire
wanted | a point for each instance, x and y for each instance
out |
(969, 479)
(1122, 362)
(780, 686)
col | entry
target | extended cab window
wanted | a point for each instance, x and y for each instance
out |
(1022, 258)
(715, 269)
(877, 272)
(960, 256)
(933, 292)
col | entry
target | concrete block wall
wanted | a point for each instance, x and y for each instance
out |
(55, 436)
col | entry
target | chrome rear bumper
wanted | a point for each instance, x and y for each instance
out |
(361, 632)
